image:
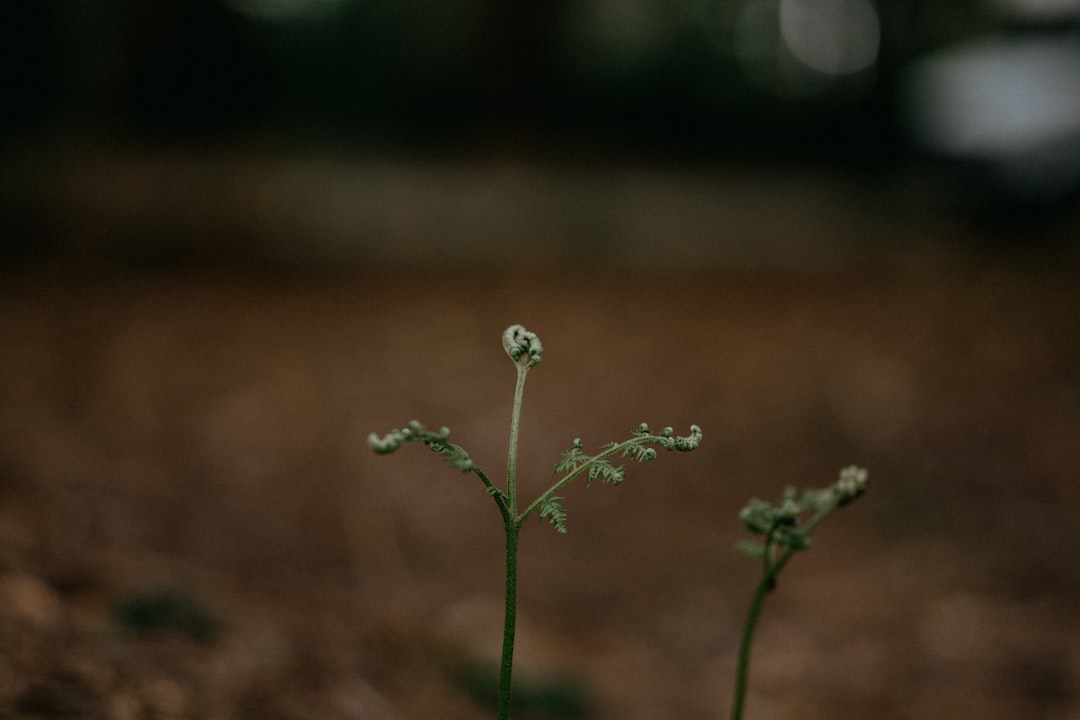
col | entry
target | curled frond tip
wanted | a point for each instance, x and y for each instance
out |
(414, 431)
(386, 444)
(520, 343)
(851, 484)
(670, 441)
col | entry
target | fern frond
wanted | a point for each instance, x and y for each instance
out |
(551, 510)
(606, 471)
(639, 452)
(638, 447)
(437, 441)
(572, 459)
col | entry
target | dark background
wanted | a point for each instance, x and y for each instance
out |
(237, 237)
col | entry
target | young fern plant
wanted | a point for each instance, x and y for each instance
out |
(786, 529)
(526, 352)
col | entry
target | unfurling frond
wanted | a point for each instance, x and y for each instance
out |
(552, 510)
(639, 447)
(437, 441)
(640, 453)
(572, 459)
(576, 462)
(520, 343)
(682, 444)
(851, 484)
(786, 525)
(603, 469)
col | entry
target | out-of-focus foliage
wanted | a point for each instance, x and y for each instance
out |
(472, 71)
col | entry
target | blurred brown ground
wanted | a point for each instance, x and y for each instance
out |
(201, 426)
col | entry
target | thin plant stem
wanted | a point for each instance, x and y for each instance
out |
(513, 529)
(742, 671)
(515, 427)
(506, 669)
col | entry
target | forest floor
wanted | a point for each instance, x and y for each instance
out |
(192, 525)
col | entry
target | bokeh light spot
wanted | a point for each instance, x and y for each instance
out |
(835, 37)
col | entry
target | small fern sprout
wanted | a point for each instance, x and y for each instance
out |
(525, 350)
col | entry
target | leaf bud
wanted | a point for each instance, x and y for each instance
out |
(851, 484)
(387, 444)
(519, 342)
(690, 442)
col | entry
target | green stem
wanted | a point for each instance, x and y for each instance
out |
(515, 426)
(506, 669)
(742, 671)
(513, 529)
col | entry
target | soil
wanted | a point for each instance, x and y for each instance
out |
(192, 525)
